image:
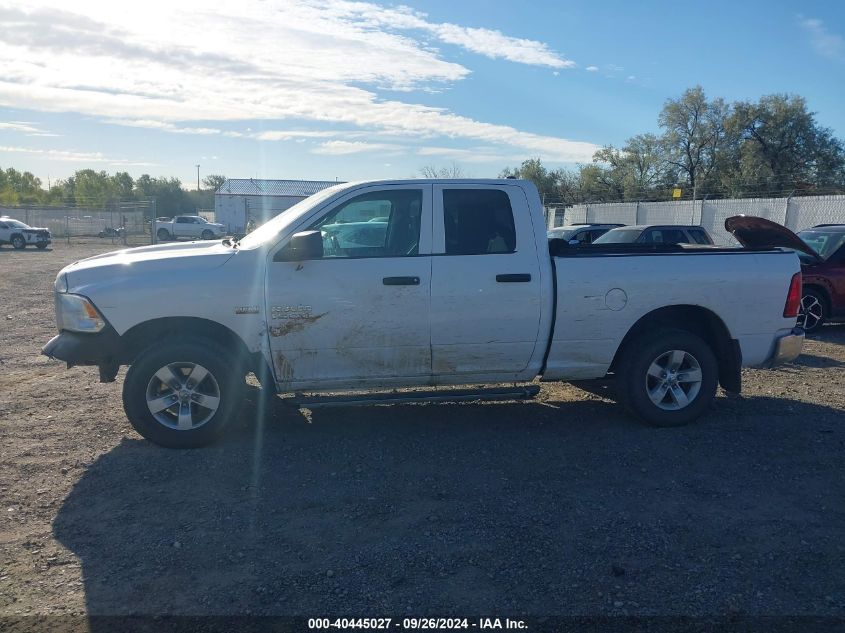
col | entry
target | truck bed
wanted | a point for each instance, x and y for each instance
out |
(601, 290)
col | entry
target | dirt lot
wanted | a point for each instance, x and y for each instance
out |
(558, 506)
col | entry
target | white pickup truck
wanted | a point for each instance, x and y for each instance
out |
(193, 227)
(464, 289)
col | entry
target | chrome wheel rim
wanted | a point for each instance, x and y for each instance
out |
(673, 380)
(183, 396)
(811, 313)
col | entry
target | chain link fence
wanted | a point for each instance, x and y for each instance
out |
(122, 223)
(796, 214)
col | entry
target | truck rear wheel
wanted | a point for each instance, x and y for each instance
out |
(182, 394)
(163, 235)
(668, 378)
(18, 242)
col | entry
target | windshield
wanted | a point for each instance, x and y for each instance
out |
(276, 225)
(16, 224)
(825, 243)
(619, 236)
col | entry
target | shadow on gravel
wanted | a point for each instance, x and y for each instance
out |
(833, 333)
(820, 362)
(529, 508)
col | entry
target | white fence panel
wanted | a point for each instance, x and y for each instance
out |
(671, 212)
(807, 212)
(613, 213)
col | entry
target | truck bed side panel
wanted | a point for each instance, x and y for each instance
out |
(600, 298)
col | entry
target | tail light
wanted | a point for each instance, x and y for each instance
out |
(793, 298)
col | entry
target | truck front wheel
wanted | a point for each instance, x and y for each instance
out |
(667, 378)
(182, 394)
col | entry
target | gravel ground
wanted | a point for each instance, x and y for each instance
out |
(563, 505)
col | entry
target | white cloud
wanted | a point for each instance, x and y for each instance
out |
(166, 126)
(24, 127)
(821, 39)
(495, 45)
(72, 156)
(592, 69)
(339, 148)
(18, 126)
(161, 65)
(289, 135)
(488, 42)
(469, 155)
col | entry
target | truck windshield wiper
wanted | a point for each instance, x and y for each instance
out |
(231, 242)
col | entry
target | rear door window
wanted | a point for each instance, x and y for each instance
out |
(478, 222)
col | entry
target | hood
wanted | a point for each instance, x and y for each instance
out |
(178, 255)
(753, 232)
(36, 229)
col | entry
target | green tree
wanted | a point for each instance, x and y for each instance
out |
(214, 181)
(170, 198)
(694, 136)
(122, 185)
(534, 170)
(782, 147)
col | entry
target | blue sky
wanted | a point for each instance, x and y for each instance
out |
(351, 90)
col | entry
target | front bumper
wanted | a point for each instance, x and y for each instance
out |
(787, 348)
(38, 238)
(104, 349)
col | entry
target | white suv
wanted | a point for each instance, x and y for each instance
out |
(21, 235)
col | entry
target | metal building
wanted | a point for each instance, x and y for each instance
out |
(239, 200)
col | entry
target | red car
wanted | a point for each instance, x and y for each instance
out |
(823, 298)
(822, 253)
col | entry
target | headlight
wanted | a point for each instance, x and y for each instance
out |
(78, 314)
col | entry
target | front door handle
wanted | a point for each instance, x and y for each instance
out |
(514, 278)
(401, 281)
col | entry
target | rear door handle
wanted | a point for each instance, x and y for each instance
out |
(401, 281)
(514, 278)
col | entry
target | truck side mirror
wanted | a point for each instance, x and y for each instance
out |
(302, 246)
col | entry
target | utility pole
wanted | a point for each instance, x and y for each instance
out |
(198, 178)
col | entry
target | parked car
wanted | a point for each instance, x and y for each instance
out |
(465, 290)
(109, 231)
(21, 235)
(580, 233)
(191, 226)
(822, 253)
(823, 299)
(654, 234)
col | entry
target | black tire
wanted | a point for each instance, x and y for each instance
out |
(635, 383)
(224, 380)
(41, 245)
(163, 235)
(207, 235)
(813, 310)
(18, 242)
